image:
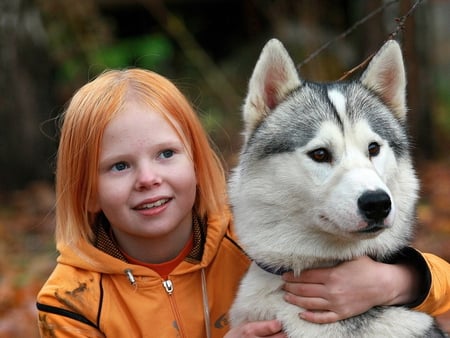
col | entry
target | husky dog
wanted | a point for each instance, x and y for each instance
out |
(324, 176)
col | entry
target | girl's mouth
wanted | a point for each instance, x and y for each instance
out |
(147, 206)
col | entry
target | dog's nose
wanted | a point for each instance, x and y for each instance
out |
(375, 206)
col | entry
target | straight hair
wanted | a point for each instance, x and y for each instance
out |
(83, 123)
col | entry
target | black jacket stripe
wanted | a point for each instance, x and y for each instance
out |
(65, 313)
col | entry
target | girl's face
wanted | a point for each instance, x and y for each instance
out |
(147, 182)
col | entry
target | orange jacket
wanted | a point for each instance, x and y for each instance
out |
(437, 296)
(93, 294)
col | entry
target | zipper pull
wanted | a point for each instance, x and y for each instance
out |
(168, 285)
(130, 277)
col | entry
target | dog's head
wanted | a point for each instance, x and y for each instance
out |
(325, 169)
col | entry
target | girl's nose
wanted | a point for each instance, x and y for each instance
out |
(147, 177)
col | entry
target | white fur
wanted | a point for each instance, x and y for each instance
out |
(338, 101)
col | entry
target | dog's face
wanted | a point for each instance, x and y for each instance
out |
(324, 164)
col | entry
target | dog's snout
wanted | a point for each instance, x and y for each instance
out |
(374, 205)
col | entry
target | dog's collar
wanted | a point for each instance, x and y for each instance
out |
(276, 271)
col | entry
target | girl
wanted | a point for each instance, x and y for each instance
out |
(144, 233)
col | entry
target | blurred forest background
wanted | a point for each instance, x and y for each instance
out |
(49, 48)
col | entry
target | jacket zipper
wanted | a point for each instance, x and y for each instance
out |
(130, 277)
(168, 286)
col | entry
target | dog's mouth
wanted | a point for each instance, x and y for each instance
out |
(372, 228)
(364, 229)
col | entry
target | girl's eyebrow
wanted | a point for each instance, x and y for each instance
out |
(114, 154)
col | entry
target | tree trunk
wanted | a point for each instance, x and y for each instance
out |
(25, 96)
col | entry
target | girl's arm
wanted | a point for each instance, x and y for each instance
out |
(436, 300)
(65, 324)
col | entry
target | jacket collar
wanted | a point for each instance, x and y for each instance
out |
(105, 242)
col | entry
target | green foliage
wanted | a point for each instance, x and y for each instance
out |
(69, 69)
(213, 121)
(443, 106)
(148, 51)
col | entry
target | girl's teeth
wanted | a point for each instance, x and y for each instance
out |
(152, 205)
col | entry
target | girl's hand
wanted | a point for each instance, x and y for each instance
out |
(267, 328)
(349, 289)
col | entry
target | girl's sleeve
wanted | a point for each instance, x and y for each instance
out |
(57, 322)
(436, 296)
(61, 325)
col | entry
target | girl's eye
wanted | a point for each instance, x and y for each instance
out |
(119, 166)
(166, 153)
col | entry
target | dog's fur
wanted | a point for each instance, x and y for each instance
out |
(324, 176)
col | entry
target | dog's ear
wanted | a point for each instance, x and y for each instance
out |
(385, 75)
(273, 78)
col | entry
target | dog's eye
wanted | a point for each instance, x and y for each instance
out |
(374, 149)
(320, 155)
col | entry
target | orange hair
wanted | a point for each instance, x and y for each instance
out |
(85, 119)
